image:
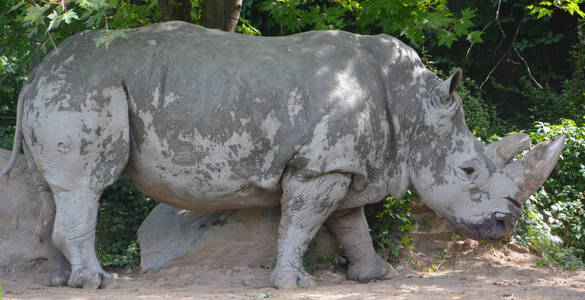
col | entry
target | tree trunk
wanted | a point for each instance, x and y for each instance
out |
(222, 14)
(172, 10)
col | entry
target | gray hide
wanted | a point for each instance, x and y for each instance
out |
(320, 123)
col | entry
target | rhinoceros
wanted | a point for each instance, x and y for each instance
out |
(318, 123)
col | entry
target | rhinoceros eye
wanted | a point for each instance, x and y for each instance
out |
(468, 171)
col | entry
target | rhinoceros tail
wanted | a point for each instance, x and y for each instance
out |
(18, 134)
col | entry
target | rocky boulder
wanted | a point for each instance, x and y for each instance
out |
(20, 204)
(431, 233)
(175, 237)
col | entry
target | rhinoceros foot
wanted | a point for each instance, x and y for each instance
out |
(59, 268)
(84, 278)
(375, 268)
(56, 278)
(289, 279)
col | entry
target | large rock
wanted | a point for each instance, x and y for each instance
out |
(175, 237)
(20, 204)
(431, 233)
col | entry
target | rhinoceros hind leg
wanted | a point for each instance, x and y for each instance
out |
(306, 204)
(74, 235)
(79, 150)
(59, 268)
(351, 230)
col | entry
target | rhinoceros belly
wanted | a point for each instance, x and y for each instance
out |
(196, 188)
(193, 168)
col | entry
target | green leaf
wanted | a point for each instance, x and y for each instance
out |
(462, 25)
(35, 13)
(17, 5)
(475, 36)
(573, 7)
(55, 20)
(108, 37)
(69, 16)
(446, 38)
(248, 29)
(92, 4)
(439, 20)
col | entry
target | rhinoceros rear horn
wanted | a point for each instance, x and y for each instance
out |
(504, 150)
(533, 169)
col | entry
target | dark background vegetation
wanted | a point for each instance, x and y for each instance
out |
(524, 66)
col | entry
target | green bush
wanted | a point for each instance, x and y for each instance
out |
(122, 209)
(6, 137)
(411, 19)
(390, 224)
(553, 221)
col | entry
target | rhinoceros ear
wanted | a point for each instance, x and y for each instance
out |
(454, 80)
(444, 90)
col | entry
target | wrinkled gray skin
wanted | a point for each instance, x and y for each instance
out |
(321, 123)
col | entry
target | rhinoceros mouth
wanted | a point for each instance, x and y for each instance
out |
(497, 226)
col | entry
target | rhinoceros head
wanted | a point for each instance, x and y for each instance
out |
(479, 188)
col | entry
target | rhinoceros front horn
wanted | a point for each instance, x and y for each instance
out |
(530, 171)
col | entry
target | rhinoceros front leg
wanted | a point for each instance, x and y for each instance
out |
(351, 230)
(306, 204)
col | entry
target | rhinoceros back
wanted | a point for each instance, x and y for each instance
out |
(216, 118)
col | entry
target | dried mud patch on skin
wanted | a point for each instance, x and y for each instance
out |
(475, 271)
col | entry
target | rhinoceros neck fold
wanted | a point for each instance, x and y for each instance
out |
(404, 106)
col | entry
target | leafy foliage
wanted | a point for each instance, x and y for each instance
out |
(43, 20)
(6, 137)
(15, 57)
(411, 19)
(559, 207)
(545, 8)
(390, 223)
(122, 210)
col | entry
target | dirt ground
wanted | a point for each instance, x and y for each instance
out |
(473, 272)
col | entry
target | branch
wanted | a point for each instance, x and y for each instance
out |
(527, 68)
(520, 56)
(493, 70)
(497, 19)
(509, 52)
(473, 43)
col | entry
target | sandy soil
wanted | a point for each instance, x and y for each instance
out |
(474, 271)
